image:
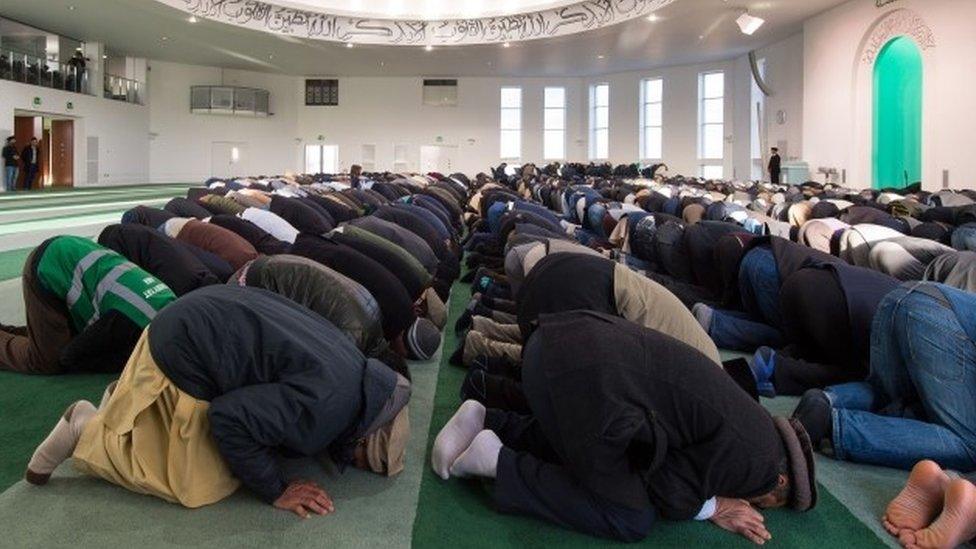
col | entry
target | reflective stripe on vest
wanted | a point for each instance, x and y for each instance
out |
(77, 285)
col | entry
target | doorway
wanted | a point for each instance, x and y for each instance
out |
(56, 140)
(321, 159)
(228, 159)
(897, 155)
(437, 158)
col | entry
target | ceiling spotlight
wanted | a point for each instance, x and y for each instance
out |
(507, 45)
(749, 24)
(192, 19)
(71, 8)
(601, 57)
(270, 56)
(428, 47)
(653, 17)
(349, 45)
(165, 38)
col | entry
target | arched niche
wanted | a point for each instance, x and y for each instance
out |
(908, 25)
(896, 157)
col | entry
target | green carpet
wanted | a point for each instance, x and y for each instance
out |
(459, 513)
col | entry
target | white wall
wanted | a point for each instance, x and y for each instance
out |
(181, 142)
(385, 112)
(122, 130)
(837, 109)
(388, 111)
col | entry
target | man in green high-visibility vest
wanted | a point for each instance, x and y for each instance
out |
(86, 307)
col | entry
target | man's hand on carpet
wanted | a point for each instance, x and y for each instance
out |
(737, 516)
(304, 496)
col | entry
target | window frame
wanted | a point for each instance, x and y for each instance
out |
(546, 130)
(505, 133)
(594, 130)
(644, 125)
(703, 125)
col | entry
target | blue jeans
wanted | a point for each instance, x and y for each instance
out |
(964, 237)
(920, 399)
(758, 326)
(9, 177)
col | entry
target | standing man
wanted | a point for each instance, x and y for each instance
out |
(774, 167)
(10, 158)
(32, 162)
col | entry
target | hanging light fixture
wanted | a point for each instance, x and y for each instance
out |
(749, 24)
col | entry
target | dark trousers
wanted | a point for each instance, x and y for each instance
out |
(531, 481)
(775, 177)
(36, 349)
(30, 174)
(793, 376)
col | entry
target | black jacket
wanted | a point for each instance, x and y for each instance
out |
(181, 207)
(402, 237)
(29, 157)
(168, 259)
(9, 154)
(302, 216)
(394, 301)
(262, 241)
(774, 163)
(280, 379)
(641, 419)
(150, 217)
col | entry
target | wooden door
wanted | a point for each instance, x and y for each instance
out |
(25, 128)
(43, 178)
(62, 153)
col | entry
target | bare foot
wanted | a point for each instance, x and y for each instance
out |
(919, 502)
(955, 526)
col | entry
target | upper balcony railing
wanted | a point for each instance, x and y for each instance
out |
(123, 89)
(29, 69)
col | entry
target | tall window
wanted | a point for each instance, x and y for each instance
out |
(711, 128)
(652, 119)
(599, 122)
(511, 124)
(554, 124)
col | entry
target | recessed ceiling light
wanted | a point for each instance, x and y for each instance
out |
(382, 63)
(428, 47)
(507, 45)
(349, 44)
(192, 19)
(601, 57)
(164, 38)
(653, 17)
(270, 56)
(104, 57)
(71, 8)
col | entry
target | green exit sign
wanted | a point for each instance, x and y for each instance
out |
(440, 139)
(37, 101)
(70, 105)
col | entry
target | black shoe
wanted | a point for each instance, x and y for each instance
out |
(457, 357)
(463, 323)
(473, 387)
(815, 413)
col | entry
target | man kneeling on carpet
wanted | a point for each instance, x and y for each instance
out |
(224, 383)
(86, 307)
(627, 423)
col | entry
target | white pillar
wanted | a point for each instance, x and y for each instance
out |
(94, 53)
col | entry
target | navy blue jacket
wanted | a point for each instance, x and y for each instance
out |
(280, 379)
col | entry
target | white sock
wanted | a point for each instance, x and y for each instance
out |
(703, 314)
(481, 458)
(457, 435)
(60, 443)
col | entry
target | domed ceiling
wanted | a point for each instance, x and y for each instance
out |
(421, 22)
